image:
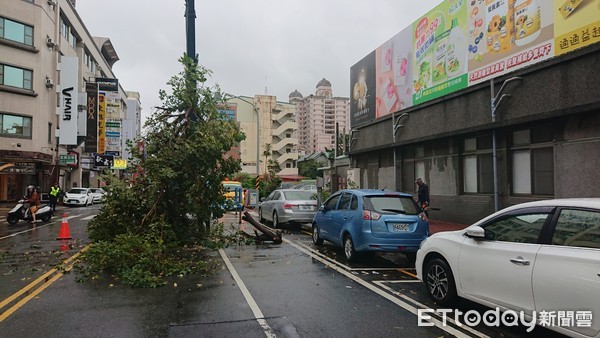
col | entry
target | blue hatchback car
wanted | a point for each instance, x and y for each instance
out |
(362, 220)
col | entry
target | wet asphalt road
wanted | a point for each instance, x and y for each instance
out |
(287, 290)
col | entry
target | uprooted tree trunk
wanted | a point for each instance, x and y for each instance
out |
(267, 234)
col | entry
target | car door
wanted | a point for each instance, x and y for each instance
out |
(341, 217)
(566, 276)
(266, 206)
(498, 270)
(324, 217)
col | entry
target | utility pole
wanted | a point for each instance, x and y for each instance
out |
(190, 29)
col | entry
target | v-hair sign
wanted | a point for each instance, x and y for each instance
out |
(68, 101)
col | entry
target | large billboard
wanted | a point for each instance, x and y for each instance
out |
(362, 88)
(439, 51)
(461, 43)
(68, 100)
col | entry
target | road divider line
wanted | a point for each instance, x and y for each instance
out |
(260, 318)
(66, 265)
(385, 294)
(36, 227)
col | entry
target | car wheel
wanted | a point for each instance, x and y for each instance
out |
(260, 216)
(439, 281)
(317, 240)
(349, 251)
(12, 219)
(275, 220)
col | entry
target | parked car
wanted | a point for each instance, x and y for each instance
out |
(537, 256)
(98, 195)
(362, 220)
(288, 206)
(78, 196)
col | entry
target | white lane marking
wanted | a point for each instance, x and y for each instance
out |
(383, 293)
(260, 318)
(422, 306)
(88, 218)
(36, 227)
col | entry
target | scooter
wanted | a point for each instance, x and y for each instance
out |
(22, 212)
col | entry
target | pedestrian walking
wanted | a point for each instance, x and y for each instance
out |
(423, 195)
(54, 192)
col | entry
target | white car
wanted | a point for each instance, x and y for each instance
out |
(98, 195)
(531, 257)
(78, 196)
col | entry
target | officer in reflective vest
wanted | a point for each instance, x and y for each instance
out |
(54, 191)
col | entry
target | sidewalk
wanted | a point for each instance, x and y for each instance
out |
(439, 226)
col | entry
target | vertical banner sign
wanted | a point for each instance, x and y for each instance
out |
(91, 136)
(68, 101)
(109, 141)
(101, 123)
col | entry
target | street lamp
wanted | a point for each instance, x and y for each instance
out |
(496, 100)
(225, 95)
(395, 126)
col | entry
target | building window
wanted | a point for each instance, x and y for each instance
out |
(477, 165)
(288, 165)
(49, 133)
(13, 125)
(15, 77)
(532, 156)
(413, 166)
(72, 39)
(64, 28)
(16, 31)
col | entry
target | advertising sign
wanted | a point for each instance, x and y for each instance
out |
(460, 43)
(119, 163)
(505, 35)
(113, 105)
(393, 66)
(103, 160)
(68, 100)
(101, 123)
(91, 136)
(362, 86)
(439, 49)
(576, 24)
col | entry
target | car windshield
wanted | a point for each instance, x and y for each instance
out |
(299, 195)
(391, 205)
(77, 191)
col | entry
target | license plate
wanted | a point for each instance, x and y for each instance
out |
(306, 207)
(400, 227)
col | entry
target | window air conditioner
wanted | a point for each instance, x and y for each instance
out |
(49, 83)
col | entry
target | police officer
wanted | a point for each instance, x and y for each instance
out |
(54, 191)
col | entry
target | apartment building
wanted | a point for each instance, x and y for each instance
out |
(317, 116)
(54, 75)
(271, 128)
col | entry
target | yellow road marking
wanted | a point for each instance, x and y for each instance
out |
(41, 288)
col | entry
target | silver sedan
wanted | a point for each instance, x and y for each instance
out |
(288, 206)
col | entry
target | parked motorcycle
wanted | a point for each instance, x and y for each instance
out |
(21, 212)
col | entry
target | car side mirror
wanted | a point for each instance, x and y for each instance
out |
(475, 232)
(323, 208)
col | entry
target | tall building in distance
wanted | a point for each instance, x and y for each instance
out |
(271, 134)
(317, 116)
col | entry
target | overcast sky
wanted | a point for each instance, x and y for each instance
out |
(251, 46)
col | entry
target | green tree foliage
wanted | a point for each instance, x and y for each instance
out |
(309, 168)
(176, 191)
